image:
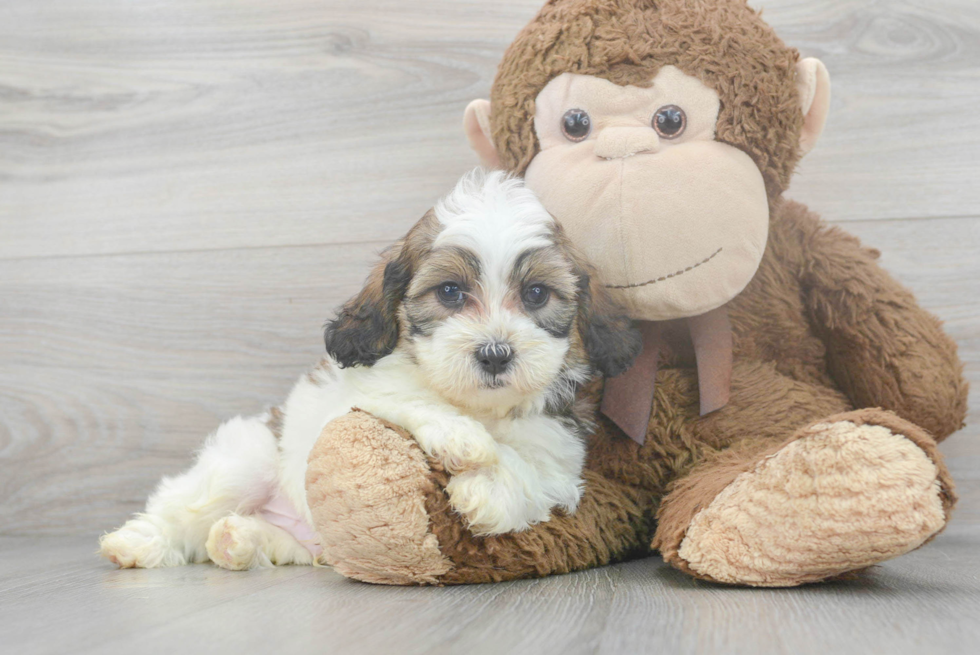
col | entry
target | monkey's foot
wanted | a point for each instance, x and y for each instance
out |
(842, 495)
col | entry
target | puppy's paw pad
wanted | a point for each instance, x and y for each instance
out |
(232, 544)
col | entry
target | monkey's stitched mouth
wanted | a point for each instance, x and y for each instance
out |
(669, 276)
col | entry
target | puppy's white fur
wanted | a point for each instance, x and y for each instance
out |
(512, 461)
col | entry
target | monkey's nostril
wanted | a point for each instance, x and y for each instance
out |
(494, 358)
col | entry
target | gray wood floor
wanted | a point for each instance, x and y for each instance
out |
(54, 600)
(189, 187)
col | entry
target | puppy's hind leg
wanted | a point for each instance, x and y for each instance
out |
(236, 471)
(239, 543)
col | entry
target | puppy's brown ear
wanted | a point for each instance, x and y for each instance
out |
(609, 336)
(610, 339)
(366, 328)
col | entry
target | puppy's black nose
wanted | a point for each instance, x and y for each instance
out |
(494, 357)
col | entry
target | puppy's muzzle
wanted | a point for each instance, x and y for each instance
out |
(494, 358)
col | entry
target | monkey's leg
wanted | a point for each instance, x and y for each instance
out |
(383, 516)
(839, 495)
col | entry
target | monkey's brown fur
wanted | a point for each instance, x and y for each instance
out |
(627, 42)
(822, 334)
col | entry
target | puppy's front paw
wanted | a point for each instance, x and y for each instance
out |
(494, 501)
(459, 442)
(235, 544)
(139, 544)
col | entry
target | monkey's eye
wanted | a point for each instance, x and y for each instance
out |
(669, 122)
(576, 124)
(536, 295)
(450, 294)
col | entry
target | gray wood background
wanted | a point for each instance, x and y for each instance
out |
(188, 188)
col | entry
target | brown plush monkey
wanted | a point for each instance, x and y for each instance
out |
(662, 134)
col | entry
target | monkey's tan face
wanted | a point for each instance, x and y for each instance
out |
(676, 221)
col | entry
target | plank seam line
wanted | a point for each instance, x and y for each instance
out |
(180, 251)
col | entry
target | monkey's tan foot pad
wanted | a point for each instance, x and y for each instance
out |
(843, 496)
(366, 485)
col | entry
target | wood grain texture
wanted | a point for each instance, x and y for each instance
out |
(916, 604)
(116, 367)
(240, 123)
(902, 139)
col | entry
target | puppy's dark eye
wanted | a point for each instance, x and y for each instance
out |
(536, 295)
(450, 294)
(576, 124)
(669, 122)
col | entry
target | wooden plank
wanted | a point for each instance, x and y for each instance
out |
(921, 602)
(169, 311)
(76, 602)
(227, 124)
(926, 601)
(902, 136)
(82, 450)
(220, 123)
(114, 369)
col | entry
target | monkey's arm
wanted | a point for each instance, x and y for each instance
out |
(383, 515)
(883, 349)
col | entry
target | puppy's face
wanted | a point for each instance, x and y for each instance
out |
(488, 298)
(491, 324)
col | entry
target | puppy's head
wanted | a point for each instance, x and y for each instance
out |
(489, 299)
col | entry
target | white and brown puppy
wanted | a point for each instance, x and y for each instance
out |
(474, 333)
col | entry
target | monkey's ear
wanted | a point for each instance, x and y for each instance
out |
(813, 83)
(366, 328)
(476, 124)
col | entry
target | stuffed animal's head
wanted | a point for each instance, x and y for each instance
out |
(658, 132)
